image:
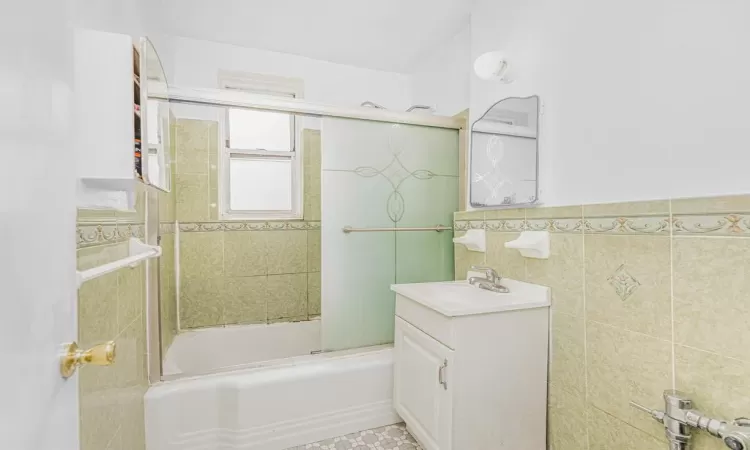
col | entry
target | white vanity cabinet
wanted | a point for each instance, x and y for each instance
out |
(419, 357)
(470, 368)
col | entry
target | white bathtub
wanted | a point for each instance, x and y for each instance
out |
(208, 350)
(276, 406)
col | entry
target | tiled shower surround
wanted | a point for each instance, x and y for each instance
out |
(647, 296)
(242, 272)
(266, 274)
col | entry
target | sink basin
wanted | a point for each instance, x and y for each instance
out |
(459, 298)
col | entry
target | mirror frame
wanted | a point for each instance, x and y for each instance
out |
(471, 159)
(145, 44)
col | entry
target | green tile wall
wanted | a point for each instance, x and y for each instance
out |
(646, 296)
(240, 272)
(112, 308)
(245, 277)
(167, 272)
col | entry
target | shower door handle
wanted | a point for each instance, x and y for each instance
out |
(441, 374)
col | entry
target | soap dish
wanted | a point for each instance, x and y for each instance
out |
(474, 240)
(532, 244)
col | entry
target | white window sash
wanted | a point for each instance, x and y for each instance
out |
(263, 85)
(292, 134)
(226, 153)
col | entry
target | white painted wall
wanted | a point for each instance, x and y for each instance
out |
(643, 99)
(440, 78)
(136, 18)
(197, 64)
(115, 16)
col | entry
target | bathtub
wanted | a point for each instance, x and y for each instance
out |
(209, 350)
(275, 405)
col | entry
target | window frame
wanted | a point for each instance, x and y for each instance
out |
(261, 85)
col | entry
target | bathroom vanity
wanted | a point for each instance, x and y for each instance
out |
(470, 365)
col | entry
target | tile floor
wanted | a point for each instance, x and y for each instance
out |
(391, 437)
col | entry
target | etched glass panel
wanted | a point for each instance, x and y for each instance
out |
(381, 175)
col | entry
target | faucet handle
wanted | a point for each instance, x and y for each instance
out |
(489, 272)
(657, 415)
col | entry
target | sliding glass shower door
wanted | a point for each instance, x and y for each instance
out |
(377, 177)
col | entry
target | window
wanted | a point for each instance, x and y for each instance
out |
(260, 162)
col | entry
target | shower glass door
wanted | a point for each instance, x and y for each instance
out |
(391, 176)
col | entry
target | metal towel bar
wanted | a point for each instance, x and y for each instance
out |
(437, 228)
(139, 252)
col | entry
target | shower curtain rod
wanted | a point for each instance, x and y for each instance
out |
(239, 99)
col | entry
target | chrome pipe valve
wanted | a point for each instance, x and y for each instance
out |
(679, 418)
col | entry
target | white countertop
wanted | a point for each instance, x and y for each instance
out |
(459, 298)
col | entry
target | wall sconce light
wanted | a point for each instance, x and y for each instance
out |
(492, 66)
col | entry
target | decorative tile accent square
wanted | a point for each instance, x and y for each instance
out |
(390, 437)
(624, 283)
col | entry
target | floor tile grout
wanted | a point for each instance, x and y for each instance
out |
(390, 437)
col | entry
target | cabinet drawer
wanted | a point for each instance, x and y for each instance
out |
(436, 325)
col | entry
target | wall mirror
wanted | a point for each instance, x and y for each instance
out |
(154, 118)
(504, 154)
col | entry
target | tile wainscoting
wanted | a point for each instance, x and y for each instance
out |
(112, 307)
(647, 296)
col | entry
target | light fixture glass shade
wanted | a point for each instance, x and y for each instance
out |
(492, 66)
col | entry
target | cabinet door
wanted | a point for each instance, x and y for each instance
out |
(422, 386)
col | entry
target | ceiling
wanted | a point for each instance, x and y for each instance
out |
(376, 34)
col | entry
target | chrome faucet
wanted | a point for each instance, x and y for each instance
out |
(490, 282)
(679, 418)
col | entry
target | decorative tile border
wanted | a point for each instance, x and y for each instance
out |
(570, 225)
(464, 225)
(189, 227)
(627, 225)
(723, 224)
(89, 234)
(505, 225)
(712, 224)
